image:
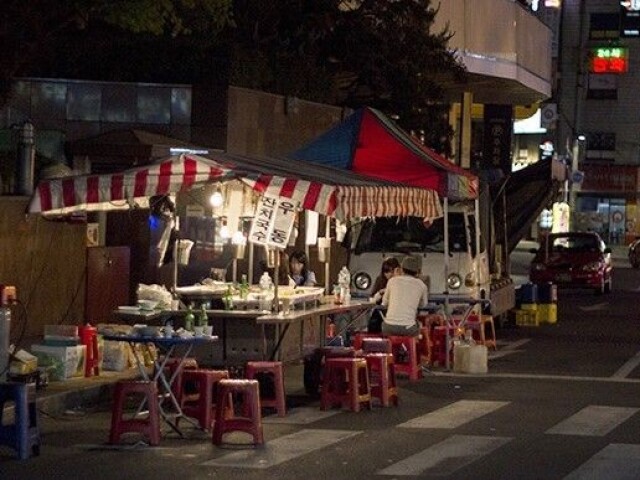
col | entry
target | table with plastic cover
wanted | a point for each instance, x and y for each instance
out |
(169, 346)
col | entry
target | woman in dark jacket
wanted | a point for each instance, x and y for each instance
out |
(389, 268)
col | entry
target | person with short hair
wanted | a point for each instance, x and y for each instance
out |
(403, 296)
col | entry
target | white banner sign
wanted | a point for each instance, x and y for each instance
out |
(273, 221)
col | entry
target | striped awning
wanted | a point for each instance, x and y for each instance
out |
(122, 190)
(386, 201)
(180, 173)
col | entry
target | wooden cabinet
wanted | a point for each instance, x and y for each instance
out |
(107, 282)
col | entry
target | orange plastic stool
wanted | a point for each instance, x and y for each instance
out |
(411, 365)
(382, 376)
(201, 405)
(274, 369)
(251, 420)
(89, 338)
(150, 427)
(345, 381)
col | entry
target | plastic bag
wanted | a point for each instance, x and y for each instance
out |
(156, 293)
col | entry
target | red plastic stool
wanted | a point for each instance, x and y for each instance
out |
(411, 364)
(251, 420)
(201, 405)
(359, 337)
(273, 369)
(439, 344)
(376, 345)
(345, 381)
(382, 376)
(89, 338)
(24, 434)
(150, 426)
(170, 368)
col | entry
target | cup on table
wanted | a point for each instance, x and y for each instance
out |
(168, 331)
(198, 331)
(208, 330)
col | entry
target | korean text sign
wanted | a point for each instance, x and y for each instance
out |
(273, 221)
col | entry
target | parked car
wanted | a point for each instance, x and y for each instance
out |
(573, 259)
(634, 253)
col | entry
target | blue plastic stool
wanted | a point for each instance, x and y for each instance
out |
(23, 435)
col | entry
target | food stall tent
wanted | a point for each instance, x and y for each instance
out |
(325, 190)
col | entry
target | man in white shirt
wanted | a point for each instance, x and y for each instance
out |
(404, 295)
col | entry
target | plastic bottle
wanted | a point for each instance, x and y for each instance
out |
(202, 319)
(228, 299)
(244, 287)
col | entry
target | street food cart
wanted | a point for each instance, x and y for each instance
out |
(281, 188)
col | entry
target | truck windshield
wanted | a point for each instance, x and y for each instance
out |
(409, 235)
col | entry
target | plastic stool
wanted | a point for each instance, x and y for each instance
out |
(23, 435)
(274, 369)
(480, 325)
(150, 427)
(345, 381)
(382, 376)
(251, 420)
(376, 345)
(359, 337)
(170, 367)
(200, 405)
(89, 338)
(410, 365)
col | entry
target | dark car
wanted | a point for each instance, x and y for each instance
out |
(573, 259)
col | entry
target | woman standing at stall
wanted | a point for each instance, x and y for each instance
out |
(299, 270)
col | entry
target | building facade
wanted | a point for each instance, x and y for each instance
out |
(599, 113)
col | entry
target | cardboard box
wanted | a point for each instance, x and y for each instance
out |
(68, 361)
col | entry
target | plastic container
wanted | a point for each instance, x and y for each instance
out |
(547, 293)
(529, 293)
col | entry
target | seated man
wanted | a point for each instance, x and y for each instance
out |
(404, 295)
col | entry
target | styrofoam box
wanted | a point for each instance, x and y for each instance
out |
(72, 357)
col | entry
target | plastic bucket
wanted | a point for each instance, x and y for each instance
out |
(529, 293)
(547, 293)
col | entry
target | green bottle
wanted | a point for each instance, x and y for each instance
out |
(203, 319)
(189, 319)
(244, 288)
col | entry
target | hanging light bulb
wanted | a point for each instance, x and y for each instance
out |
(238, 238)
(216, 198)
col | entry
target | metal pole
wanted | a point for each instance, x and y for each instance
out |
(276, 275)
(327, 264)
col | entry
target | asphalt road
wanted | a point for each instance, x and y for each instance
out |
(559, 402)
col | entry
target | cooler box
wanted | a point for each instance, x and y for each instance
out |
(67, 361)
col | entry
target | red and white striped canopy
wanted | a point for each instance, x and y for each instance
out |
(175, 174)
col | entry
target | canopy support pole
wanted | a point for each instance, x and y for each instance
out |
(176, 230)
(250, 266)
(447, 306)
(327, 263)
(276, 303)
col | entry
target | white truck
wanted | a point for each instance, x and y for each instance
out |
(470, 271)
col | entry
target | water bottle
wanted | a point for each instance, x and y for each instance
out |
(189, 319)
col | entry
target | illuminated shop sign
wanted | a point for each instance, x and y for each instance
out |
(609, 60)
